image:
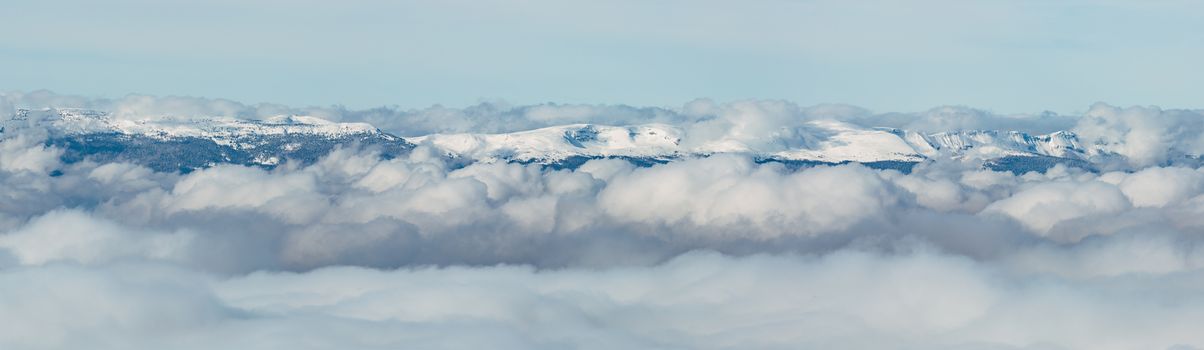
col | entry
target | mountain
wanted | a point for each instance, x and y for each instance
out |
(814, 143)
(184, 145)
(188, 144)
(560, 146)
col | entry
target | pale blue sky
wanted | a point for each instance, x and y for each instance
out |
(1006, 56)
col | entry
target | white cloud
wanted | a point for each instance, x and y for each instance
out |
(1044, 205)
(720, 252)
(1158, 187)
(1144, 135)
(71, 235)
(291, 196)
(732, 192)
(852, 300)
(23, 152)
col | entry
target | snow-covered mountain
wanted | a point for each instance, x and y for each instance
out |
(815, 142)
(555, 144)
(173, 144)
(985, 144)
(72, 121)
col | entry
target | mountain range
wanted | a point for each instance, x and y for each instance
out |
(188, 144)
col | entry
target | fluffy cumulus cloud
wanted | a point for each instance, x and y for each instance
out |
(1144, 135)
(356, 251)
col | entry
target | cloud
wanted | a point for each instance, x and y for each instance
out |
(732, 192)
(850, 299)
(356, 251)
(1159, 187)
(1145, 136)
(1044, 205)
(352, 207)
(23, 153)
(72, 235)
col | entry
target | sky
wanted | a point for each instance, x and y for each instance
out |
(1003, 56)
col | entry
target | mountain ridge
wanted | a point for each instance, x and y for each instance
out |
(840, 142)
(186, 144)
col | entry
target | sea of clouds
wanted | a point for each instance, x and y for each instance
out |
(357, 252)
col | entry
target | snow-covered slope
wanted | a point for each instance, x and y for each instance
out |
(173, 144)
(82, 121)
(561, 142)
(843, 142)
(983, 144)
(816, 141)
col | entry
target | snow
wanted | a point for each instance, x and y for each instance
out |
(560, 142)
(222, 129)
(824, 141)
(981, 144)
(851, 143)
(845, 143)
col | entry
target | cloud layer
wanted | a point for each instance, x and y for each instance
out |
(847, 299)
(359, 252)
